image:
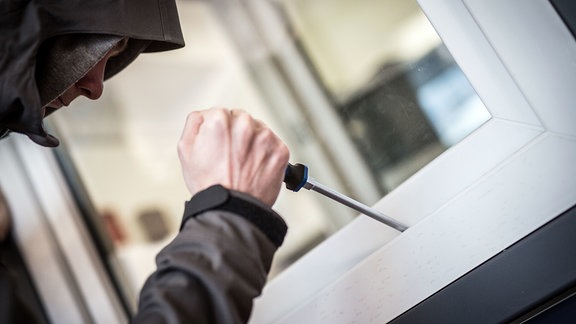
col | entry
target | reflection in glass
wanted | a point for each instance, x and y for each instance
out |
(398, 91)
(409, 113)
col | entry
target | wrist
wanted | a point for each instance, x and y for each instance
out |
(218, 198)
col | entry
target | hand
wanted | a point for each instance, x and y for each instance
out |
(230, 148)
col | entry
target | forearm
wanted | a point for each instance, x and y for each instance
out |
(210, 273)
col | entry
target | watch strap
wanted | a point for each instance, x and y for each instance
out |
(219, 198)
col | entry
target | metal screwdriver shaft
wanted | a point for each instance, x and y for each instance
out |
(296, 177)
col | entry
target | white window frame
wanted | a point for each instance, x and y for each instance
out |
(54, 242)
(508, 178)
(504, 181)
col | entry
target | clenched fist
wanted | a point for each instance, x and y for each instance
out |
(231, 148)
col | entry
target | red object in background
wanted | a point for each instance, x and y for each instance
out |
(113, 227)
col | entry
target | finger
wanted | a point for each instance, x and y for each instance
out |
(271, 149)
(242, 130)
(217, 120)
(237, 112)
(215, 137)
(242, 149)
(259, 125)
(193, 122)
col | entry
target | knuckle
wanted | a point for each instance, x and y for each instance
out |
(218, 119)
(244, 120)
(194, 114)
(267, 134)
(182, 149)
(284, 152)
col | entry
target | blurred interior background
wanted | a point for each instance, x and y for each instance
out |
(363, 91)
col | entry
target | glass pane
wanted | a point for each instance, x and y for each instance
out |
(398, 93)
(397, 89)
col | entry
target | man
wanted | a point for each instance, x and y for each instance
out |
(233, 165)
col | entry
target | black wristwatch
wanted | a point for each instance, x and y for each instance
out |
(219, 198)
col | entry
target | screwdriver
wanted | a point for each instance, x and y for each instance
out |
(296, 177)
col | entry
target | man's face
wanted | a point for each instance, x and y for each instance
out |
(90, 85)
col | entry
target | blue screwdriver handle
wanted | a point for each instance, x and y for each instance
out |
(296, 176)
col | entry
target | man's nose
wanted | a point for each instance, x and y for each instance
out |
(91, 85)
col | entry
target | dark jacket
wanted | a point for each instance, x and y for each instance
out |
(209, 274)
(214, 268)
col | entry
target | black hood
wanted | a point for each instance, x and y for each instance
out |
(25, 25)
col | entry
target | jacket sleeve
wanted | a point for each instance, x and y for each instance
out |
(214, 268)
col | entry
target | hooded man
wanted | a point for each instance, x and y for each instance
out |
(55, 51)
(46, 46)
